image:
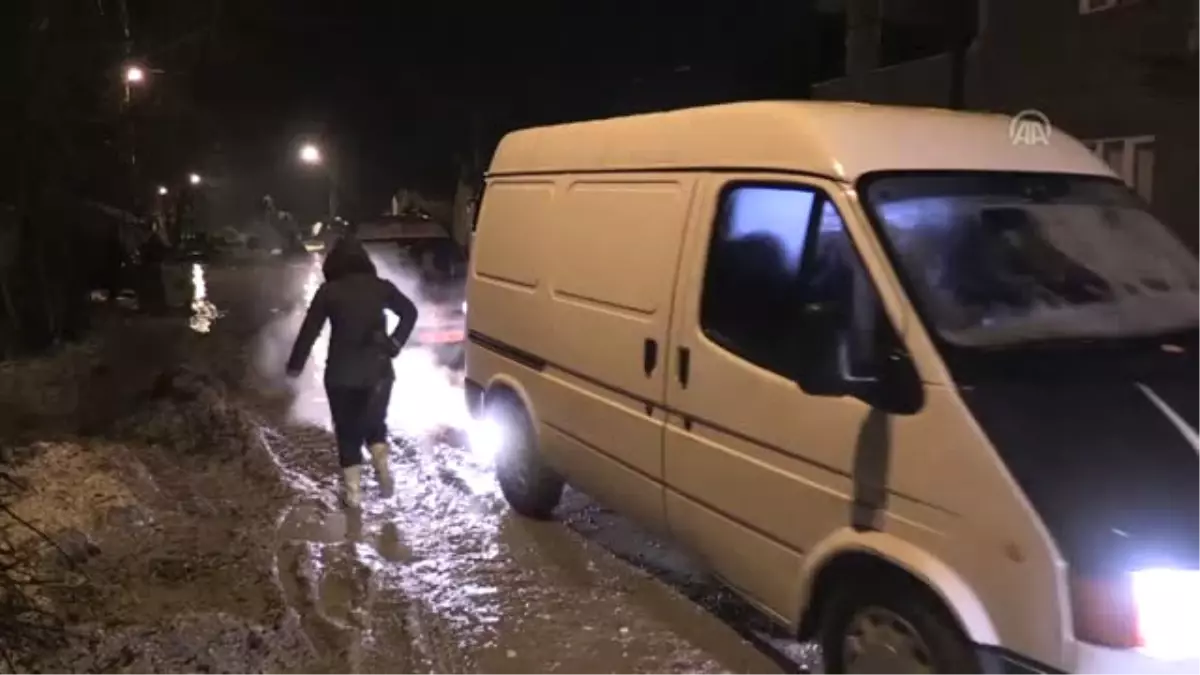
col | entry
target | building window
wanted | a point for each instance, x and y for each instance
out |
(1131, 158)
(1093, 6)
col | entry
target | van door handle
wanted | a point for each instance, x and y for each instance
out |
(649, 355)
(685, 366)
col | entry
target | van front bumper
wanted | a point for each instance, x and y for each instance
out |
(1000, 660)
(1090, 659)
(1093, 659)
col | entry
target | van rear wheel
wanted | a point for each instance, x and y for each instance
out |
(530, 486)
(890, 627)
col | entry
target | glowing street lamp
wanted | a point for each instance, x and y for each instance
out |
(310, 154)
(162, 190)
(135, 75)
(194, 178)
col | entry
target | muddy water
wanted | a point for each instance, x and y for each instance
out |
(439, 576)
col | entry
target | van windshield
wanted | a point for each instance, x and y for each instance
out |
(997, 259)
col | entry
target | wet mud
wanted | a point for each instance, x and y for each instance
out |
(243, 559)
(441, 576)
(440, 573)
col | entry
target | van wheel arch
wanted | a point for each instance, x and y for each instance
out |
(502, 388)
(529, 484)
(503, 391)
(841, 571)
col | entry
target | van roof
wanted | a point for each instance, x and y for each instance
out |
(837, 139)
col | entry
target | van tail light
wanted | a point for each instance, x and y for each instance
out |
(1104, 611)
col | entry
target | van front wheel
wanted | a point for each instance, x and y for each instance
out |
(891, 628)
(530, 486)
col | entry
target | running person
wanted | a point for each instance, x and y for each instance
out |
(358, 371)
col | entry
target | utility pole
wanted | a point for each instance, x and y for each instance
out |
(962, 25)
(127, 113)
(333, 192)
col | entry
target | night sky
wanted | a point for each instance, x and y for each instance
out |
(399, 91)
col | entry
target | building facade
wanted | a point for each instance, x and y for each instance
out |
(1121, 75)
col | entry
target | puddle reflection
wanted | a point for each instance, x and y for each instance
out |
(204, 312)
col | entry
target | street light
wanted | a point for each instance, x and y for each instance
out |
(162, 190)
(135, 75)
(310, 154)
(194, 178)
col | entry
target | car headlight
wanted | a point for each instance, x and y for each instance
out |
(1168, 612)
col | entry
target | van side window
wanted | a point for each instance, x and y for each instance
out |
(784, 285)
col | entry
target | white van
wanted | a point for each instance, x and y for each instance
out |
(916, 389)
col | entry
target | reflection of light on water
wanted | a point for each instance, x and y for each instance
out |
(204, 312)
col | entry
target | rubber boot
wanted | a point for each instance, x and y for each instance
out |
(351, 486)
(379, 458)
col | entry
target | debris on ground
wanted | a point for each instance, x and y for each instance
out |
(150, 538)
(68, 486)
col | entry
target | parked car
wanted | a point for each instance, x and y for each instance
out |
(423, 251)
(915, 390)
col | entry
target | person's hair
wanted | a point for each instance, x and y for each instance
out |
(346, 258)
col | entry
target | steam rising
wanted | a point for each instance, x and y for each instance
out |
(426, 398)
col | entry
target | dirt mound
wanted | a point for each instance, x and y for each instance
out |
(188, 411)
(70, 486)
(54, 496)
(43, 392)
(157, 539)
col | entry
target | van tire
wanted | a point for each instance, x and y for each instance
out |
(530, 486)
(946, 648)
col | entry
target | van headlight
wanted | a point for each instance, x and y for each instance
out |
(1167, 602)
(1154, 611)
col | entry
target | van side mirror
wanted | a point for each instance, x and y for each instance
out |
(874, 368)
(881, 373)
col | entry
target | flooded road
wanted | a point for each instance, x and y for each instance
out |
(440, 576)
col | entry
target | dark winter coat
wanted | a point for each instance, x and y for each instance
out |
(353, 299)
